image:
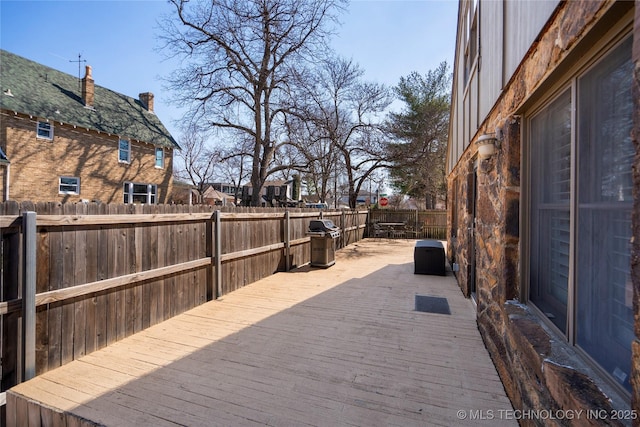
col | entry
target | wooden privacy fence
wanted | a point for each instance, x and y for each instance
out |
(407, 224)
(78, 277)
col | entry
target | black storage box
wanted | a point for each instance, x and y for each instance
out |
(428, 257)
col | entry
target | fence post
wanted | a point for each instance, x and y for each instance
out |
(367, 224)
(287, 241)
(29, 295)
(343, 224)
(218, 253)
(357, 225)
(209, 239)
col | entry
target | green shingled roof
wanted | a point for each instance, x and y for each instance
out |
(46, 93)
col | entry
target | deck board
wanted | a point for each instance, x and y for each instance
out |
(341, 346)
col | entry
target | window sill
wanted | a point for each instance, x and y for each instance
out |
(526, 321)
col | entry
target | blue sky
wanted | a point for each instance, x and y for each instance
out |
(388, 38)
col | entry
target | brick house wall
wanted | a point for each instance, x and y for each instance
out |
(3, 179)
(537, 370)
(53, 128)
(37, 164)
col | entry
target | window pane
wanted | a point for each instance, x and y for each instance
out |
(126, 190)
(159, 158)
(605, 293)
(44, 130)
(69, 185)
(140, 188)
(123, 155)
(140, 193)
(550, 209)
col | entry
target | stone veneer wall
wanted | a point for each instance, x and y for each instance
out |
(524, 353)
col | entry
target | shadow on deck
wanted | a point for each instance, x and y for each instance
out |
(342, 346)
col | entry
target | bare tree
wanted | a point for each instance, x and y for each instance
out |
(235, 164)
(315, 151)
(346, 139)
(237, 57)
(197, 160)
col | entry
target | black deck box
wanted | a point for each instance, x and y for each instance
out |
(428, 257)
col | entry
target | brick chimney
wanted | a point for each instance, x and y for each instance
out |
(87, 88)
(147, 100)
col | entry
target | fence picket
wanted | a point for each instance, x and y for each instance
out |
(29, 294)
(431, 224)
(54, 321)
(91, 275)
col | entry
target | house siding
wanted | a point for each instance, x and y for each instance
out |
(491, 83)
(523, 33)
(37, 164)
(524, 351)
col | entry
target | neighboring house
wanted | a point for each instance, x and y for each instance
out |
(67, 140)
(365, 198)
(545, 109)
(212, 196)
(183, 193)
(275, 193)
(227, 188)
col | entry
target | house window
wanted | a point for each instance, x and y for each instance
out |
(159, 157)
(581, 204)
(124, 151)
(69, 185)
(140, 193)
(471, 38)
(44, 130)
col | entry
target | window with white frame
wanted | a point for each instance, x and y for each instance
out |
(69, 185)
(140, 193)
(44, 130)
(124, 151)
(580, 194)
(159, 158)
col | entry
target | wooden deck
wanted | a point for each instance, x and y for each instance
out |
(336, 347)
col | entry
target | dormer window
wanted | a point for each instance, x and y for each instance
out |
(124, 151)
(44, 130)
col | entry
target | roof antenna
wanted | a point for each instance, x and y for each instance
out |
(79, 75)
